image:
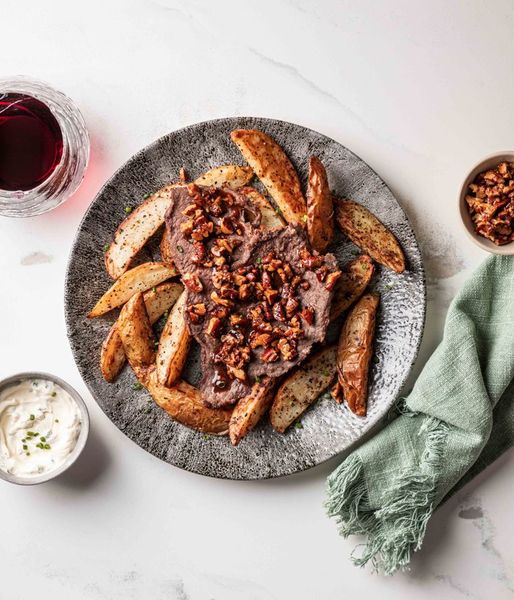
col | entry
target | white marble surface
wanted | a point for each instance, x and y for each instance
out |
(420, 90)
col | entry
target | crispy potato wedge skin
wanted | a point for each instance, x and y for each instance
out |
(173, 345)
(233, 176)
(165, 248)
(320, 207)
(183, 402)
(139, 279)
(354, 280)
(354, 353)
(302, 388)
(274, 169)
(270, 219)
(367, 232)
(249, 410)
(112, 355)
(136, 230)
(157, 302)
(136, 334)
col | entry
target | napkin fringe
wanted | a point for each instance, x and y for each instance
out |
(398, 527)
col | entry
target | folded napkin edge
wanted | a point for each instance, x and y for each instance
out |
(398, 527)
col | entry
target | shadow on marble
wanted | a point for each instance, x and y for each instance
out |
(439, 531)
(91, 466)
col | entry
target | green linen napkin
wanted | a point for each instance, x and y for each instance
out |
(458, 418)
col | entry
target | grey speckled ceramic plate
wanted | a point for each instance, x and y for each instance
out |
(328, 429)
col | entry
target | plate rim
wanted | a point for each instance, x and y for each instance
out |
(381, 414)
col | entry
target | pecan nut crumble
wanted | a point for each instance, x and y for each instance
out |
(490, 201)
(257, 301)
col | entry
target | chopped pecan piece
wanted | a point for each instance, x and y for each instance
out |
(266, 281)
(215, 297)
(192, 282)
(245, 291)
(238, 320)
(226, 226)
(239, 279)
(261, 339)
(308, 315)
(227, 291)
(271, 296)
(292, 305)
(221, 312)
(322, 273)
(237, 373)
(270, 355)
(199, 252)
(278, 312)
(310, 261)
(196, 312)
(186, 227)
(332, 280)
(189, 211)
(213, 327)
(287, 349)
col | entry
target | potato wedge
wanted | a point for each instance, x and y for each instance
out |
(157, 302)
(233, 176)
(173, 345)
(302, 388)
(270, 218)
(139, 279)
(136, 230)
(165, 248)
(367, 232)
(250, 409)
(354, 353)
(275, 170)
(320, 207)
(354, 280)
(136, 335)
(183, 402)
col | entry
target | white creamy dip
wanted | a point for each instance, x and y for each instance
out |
(39, 426)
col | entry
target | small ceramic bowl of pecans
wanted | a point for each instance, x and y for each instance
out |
(487, 203)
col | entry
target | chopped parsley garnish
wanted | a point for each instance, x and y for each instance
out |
(137, 386)
(298, 425)
(106, 247)
(43, 439)
(154, 289)
(128, 209)
(147, 195)
(25, 447)
(257, 379)
(53, 394)
(32, 417)
(57, 420)
(47, 446)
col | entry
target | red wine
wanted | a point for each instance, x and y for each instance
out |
(31, 142)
